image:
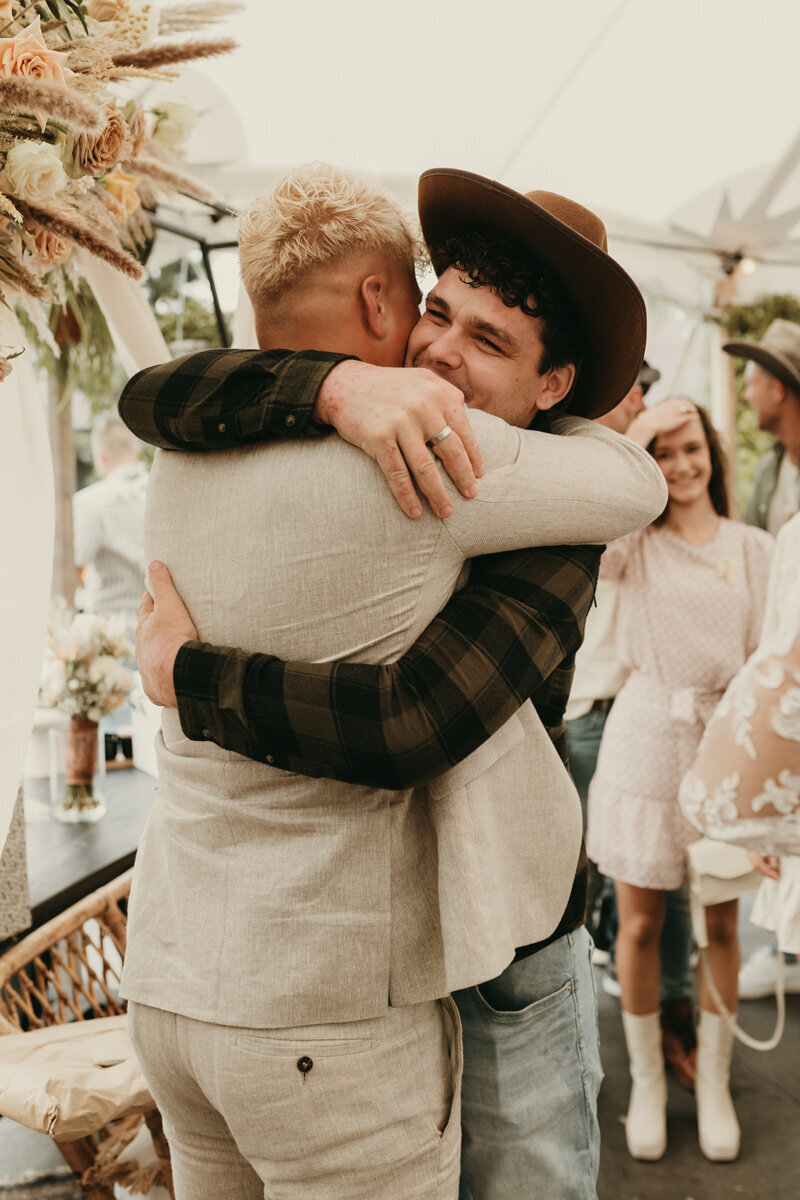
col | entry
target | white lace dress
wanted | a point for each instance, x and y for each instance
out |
(688, 618)
(777, 905)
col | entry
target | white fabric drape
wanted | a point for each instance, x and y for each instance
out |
(27, 512)
(137, 337)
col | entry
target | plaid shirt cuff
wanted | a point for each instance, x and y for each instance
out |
(215, 399)
(208, 687)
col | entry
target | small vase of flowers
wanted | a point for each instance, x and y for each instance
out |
(83, 675)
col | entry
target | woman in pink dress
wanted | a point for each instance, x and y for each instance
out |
(692, 588)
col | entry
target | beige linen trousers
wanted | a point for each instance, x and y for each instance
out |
(267, 900)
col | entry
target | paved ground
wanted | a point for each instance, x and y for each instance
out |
(766, 1092)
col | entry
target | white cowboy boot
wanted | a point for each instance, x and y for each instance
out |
(646, 1123)
(717, 1126)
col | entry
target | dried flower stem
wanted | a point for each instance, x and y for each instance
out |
(52, 100)
(8, 209)
(175, 180)
(16, 276)
(180, 17)
(171, 53)
(79, 233)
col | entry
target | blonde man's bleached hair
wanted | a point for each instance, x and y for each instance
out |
(314, 216)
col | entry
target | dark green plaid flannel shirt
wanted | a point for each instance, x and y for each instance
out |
(510, 635)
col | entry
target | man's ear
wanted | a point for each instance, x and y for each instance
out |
(373, 305)
(556, 385)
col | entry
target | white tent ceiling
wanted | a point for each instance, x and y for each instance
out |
(644, 112)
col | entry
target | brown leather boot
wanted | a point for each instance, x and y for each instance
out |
(679, 1040)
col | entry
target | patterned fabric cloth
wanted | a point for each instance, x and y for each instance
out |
(15, 913)
(509, 635)
(219, 398)
(689, 616)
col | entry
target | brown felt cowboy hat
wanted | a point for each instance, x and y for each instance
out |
(572, 242)
(778, 352)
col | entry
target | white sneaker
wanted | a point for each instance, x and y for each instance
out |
(600, 958)
(759, 975)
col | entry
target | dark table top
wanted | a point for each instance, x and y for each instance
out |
(67, 862)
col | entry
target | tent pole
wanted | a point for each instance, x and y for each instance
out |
(724, 391)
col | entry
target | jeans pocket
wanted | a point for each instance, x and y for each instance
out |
(491, 1004)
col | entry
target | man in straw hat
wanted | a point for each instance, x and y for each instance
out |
(772, 389)
(466, 875)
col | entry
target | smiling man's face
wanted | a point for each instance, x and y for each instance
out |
(469, 337)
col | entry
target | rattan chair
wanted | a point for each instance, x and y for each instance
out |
(69, 970)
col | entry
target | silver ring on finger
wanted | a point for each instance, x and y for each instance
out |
(440, 436)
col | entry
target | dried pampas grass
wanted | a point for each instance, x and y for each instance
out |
(171, 179)
(54, 100)
(67, 224)
(170, 54)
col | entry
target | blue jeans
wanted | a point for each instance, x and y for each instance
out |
(584, 735)
(531, 1077)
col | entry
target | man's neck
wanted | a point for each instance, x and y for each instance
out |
(789, 433)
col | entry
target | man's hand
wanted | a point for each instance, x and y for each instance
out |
(163, 625)
(391, 413)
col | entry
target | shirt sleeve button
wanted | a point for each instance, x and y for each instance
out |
(290, 420)
(269, 759)
(207, 734)
(222, 427)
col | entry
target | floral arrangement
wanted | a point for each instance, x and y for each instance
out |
(80, 165)
(82, 673)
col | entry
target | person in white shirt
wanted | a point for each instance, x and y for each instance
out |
(599, 675)
(108, 521)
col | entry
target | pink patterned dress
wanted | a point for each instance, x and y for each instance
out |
(688, 618)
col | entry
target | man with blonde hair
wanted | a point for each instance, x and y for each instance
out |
(292, 1012)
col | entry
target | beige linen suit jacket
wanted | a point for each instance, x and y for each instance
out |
(264, 898)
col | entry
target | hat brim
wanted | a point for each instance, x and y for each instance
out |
(606, 301)
(771, 362)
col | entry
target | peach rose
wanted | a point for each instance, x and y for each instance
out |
(50, 249)
(99, 153)
(123, 188)
(27, 54)
(105, 10)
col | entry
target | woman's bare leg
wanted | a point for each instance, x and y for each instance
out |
(640, 912)
(723, 956)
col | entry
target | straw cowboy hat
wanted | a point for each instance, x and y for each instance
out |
(571, 241)
(778, 352)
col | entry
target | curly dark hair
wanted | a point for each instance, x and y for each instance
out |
(718, 483)
(521, 281)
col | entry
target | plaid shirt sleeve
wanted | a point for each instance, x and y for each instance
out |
(510, 635)
(218, 398)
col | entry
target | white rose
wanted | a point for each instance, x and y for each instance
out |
(34, 172)
(174, 123)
